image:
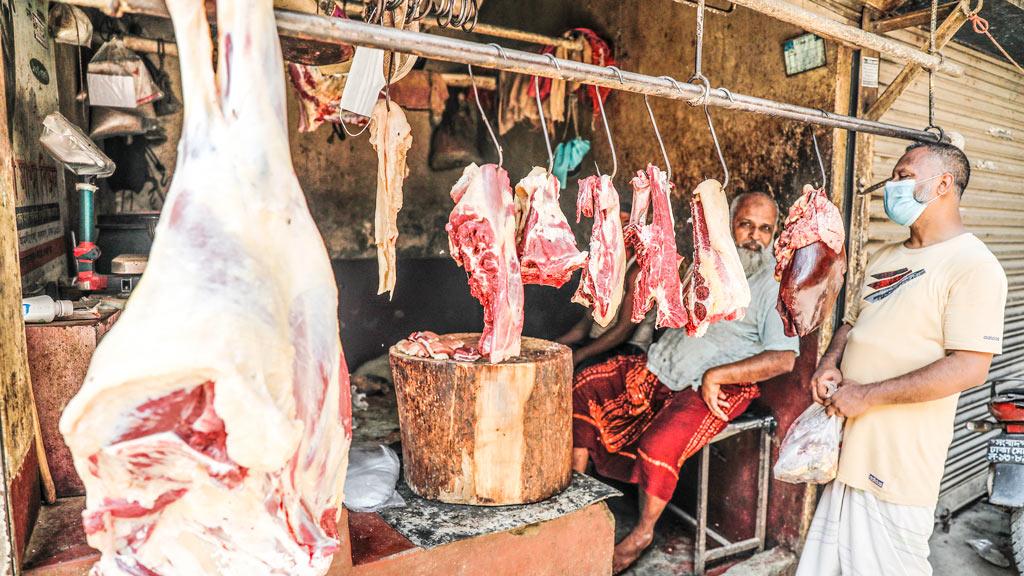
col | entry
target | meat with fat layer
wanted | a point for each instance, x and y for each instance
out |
(811, 262)
(654, 244)
(545, 243)
(391, 137)
(482, 240)
(213, 426)
(716, 287)
(604, 274)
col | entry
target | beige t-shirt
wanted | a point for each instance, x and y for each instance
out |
(915, 305)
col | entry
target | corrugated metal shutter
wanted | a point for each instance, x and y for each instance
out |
(987, 107)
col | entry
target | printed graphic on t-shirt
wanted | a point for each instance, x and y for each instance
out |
(876, 480)
(888, 282)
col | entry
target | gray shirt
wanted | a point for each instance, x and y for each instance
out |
(680, 361)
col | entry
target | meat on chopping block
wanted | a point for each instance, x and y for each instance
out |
(545, 243)
(811, 262)
(716, 288)
(605, 272)
(482, 239)
(391, 137)
(654, 243)
(213, 426)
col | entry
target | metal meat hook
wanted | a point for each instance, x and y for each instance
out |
(483, 115)
(540, 110)
(821, 164)
(657, 133)
(607, 129)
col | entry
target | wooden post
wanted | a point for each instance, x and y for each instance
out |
(860, 215)
(943, 34)
(16, 419)
(486, 434)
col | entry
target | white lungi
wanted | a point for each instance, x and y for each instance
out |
(856, 534)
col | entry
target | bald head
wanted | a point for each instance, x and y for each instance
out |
(755, 217)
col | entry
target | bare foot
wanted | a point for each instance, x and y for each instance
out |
(631, 547)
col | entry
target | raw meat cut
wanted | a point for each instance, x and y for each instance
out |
(655, 247)
(482, 239)
(429, 345)
(319, 88)
(716, 287)
(391, 137)
(213, 426)
(605, 272)
(811, 262)
(319, 95)
(545, 243)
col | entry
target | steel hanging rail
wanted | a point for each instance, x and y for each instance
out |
(337, 30)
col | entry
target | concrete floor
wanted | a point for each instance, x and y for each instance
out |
(952, 556)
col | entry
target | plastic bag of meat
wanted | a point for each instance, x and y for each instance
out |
(810, 451)
(655, 248)
(545, 243)
(811, 262)
(601, 285)
(716, 287)
(213, 426)
(482, 239)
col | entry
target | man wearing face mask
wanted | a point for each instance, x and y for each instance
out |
(923, 328)
(638, 418)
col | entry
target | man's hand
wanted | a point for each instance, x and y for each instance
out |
(711, 391)
(850, 401)
(823, 377)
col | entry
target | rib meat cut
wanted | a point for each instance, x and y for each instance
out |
(391, 137)
(605, 272)
(654, 244)
(545, 243)
(716, 287)
(482, 239)
(811, 262)
(213, 426)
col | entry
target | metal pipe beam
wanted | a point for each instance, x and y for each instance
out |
(850, 35)
(323, 29)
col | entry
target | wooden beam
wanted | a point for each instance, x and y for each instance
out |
(884, 5)
(916, 18)
(943, 34)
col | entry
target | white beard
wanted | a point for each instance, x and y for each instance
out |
(753, 260)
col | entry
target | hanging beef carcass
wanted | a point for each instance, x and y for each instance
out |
(654, 244)
(213, 426)
(391, 137)
(482, 239)
(716, 287)
(545, 243)
(811, 261)
(605, 272)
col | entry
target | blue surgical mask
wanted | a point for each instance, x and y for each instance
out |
(568, 156)
(901, 206)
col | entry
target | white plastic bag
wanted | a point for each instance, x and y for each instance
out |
(371, 478)
(117, 77)
(810, 450)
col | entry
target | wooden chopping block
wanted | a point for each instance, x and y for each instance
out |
(486, 434)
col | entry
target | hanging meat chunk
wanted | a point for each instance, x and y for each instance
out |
(655, 247)
(482, 239)
(716, 287)
(391, 137)
(545, 243)
(319, 95)
(213, 426)
(605, 272)
(811, 262)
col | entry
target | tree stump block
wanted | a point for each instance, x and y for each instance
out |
(486, 434)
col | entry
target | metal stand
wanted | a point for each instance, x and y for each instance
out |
(701, 554)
